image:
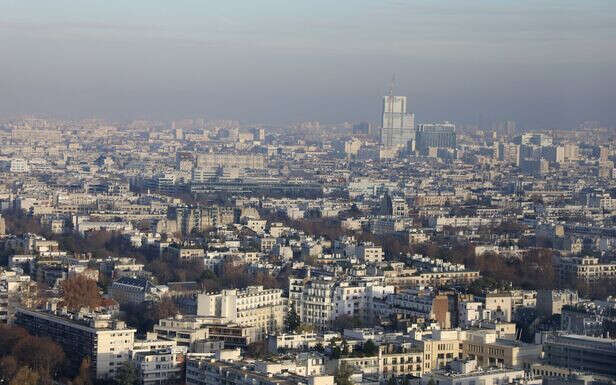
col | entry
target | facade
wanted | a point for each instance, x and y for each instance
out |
(583, 268)
(488, 350)
(129, 290)
(551, 302)
(106, 341)
(576, 352)
(191, 331)
(397, 126)
(263, 309)
(500, 305)
(370, 253)
(297, 341)
(441, 135)
(321, 300)
(466, 373)
(202, 370)
(160, 366)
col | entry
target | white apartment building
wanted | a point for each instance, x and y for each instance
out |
(500, 305)
(470, 314)
(254, 306)
(290, 341)
(106, 341)
(370, 253)
(19, 165)
(319, 301)
(160, 366)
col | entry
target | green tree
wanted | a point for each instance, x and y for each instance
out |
(342, 376)
(292, 322)
(370, 348)
(127, 375)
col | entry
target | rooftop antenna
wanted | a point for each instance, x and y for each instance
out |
(392, 84)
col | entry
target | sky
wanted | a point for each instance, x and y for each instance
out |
(543, 63)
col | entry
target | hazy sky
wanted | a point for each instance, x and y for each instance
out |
(543, 63)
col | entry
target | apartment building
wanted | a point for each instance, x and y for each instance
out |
(370, 253)
(131, 290)
(15, 288)
(577, 352)
(286, 341)
(426, 303)
(466, 372)
(586, 268)
(160, 366)
(207, 370)
(398, 360)
(488, 350)
(263, 309)
(551, 302)
(320, 300)
(500, 306)
(440, 348)
(189, 331)
(106, 341)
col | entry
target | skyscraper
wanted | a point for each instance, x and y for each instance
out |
(398, 126)
(436, 135)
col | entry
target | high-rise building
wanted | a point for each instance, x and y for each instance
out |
(106, 341)
(436, 135)
(362, 128)
(398, 126)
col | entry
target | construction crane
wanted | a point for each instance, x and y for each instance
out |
(390, 106)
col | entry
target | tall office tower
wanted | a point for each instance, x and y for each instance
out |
(362, 128)
(436, 135)
(604, 154)
(398, 126)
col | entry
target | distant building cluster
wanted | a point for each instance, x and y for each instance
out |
(211, 252)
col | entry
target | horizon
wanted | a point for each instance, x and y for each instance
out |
(546, 65)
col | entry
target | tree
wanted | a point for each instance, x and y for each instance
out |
(79, 291)
(292, 322)
(342, 376)
(85, 376)
(165, 308)
(127, 374)
(370, 348)
(25, 376)
(10, 336)
(346, 322)
(256, 349)
(8, 368)
(40, 354)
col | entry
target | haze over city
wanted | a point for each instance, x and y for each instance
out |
(546, 64)
(307, 192)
